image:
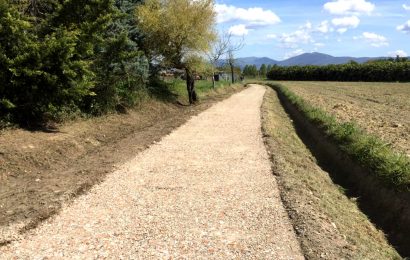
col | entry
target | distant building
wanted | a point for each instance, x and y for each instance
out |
(222, 75)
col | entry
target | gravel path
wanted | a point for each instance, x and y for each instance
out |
(205, 191)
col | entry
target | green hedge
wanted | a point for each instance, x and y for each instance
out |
(68, 57)
(391, 167)
(386, 71)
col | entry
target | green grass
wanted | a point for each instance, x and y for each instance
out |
(178, 87)
(389, 166)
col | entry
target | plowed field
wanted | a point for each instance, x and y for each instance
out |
(382, 109)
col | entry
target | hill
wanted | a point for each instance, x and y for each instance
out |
(242, 62)
(314, 58)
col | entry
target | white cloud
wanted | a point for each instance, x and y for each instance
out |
(238, 30)
(307, 26)
(319, 44)
(346, 7)
(293, 53)
(291, 40)
(271, 36)
(323, 27)
(400, 53)
(304, 35)
(254, 16)
(404, 27)
(342, 30)
(406, 7)
(374, 39)
(346, 22)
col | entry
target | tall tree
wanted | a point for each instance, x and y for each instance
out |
(121, 67)
(245, 70)
(47, 69)
(231, 60)
(175, 30)
(218, 50)
(268, 69)
(263, 70)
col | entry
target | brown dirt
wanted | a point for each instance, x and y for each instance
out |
(379, 108)
(329, 225)
(39, 171)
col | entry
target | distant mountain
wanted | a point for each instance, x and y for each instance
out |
(314, 58)
(242, 62)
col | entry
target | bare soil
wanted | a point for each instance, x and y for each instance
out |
(329, 224)
(40, 171)
(379, 108)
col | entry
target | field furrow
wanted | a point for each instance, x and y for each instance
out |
(379, 108)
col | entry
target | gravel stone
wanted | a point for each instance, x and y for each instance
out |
(206, 191)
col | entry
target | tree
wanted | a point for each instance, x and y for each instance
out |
(263, 70)
(231, 62)
(380, 71)
(245, 70)
(37, 9)
(176, 30)
(121, 67)
(232, 48)
(58, 56)
(218, 49)
(254, 70)
(46, 69)
(268, 69)
(250, 70)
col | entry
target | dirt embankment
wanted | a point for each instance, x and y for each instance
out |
(39, 171)
(328, 223)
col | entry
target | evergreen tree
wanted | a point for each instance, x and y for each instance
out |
(269, 68)
(254, 71)
(245, 70)
(122, 68)
(68, 55)
(39, 75)
(263, 70)
(47, 64)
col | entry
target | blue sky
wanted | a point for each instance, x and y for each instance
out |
(281, 29)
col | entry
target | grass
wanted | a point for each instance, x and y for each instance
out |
(390, 167)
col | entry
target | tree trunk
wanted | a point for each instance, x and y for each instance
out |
(213, 80)
(232, 74)
(190, 85)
